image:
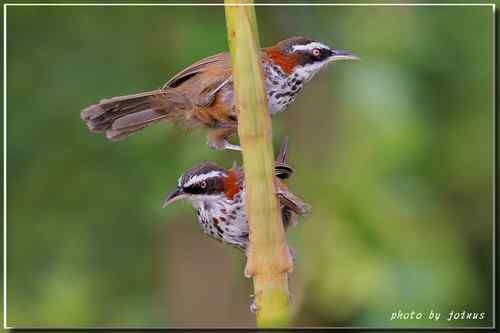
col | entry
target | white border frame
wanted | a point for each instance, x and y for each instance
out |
(6, 5)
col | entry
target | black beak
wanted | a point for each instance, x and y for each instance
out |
(343, 55)
(174, 196)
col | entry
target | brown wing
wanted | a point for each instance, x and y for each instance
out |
(204, 79)
(290, 200)
(221, 59)
(290, 205)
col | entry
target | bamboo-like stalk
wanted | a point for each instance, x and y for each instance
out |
(267, 257)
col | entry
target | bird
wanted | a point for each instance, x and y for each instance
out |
(218, 196)
(202, 95)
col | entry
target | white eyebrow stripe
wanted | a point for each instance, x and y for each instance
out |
(202, 177)
(310, 46)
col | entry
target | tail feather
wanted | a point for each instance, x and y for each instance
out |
(138, 118)
(282, 169)
(123, 115)
(113, 104)
(116, 135)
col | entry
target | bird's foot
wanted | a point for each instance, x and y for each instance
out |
(253, 305)
(222, 145)
(291, 255)
(230, 146)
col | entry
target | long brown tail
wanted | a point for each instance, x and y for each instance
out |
(121, 116)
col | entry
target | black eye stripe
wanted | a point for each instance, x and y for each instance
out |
(324, 53)
(212, 185)
(307, 57)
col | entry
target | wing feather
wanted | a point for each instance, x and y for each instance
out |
(197, 67)
(289, 200)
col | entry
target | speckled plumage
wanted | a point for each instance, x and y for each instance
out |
(281, 88)
(224, 219)
(202, 94)
(219, 199)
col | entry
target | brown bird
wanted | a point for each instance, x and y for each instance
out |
(202, 94)
(218, 195)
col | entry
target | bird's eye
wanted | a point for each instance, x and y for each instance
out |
(316, 52)
(203, 184)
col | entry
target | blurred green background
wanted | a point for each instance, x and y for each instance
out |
(394, 153)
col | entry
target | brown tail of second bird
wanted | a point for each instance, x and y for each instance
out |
(121, 116)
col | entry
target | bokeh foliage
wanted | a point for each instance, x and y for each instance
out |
(394, 153)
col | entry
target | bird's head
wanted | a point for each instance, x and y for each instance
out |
(205, 182)
(304, 57)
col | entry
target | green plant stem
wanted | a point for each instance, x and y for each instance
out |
(267, 257)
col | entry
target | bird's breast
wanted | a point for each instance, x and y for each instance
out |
(225, 220)
(281, 90)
